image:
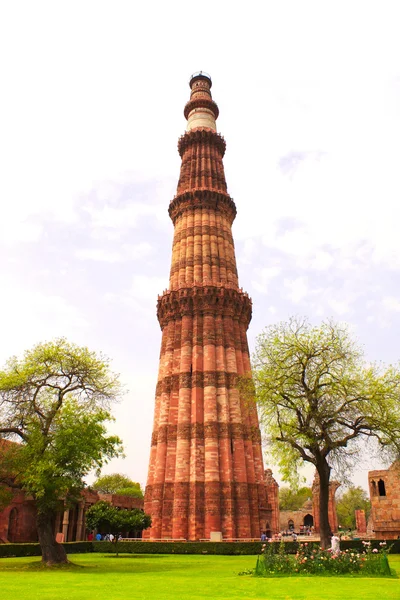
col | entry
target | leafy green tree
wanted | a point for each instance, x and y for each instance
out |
(348, 502)
(116, 483)
(290, 499)
(103, 516)
(5, 497)
(318, 398)
(55, 402)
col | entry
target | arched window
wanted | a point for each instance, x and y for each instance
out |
(374, 488)
(13, 525)
(290, 525)
(381, 487)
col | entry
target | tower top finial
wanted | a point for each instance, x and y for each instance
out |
(201, 110)
(200, 75)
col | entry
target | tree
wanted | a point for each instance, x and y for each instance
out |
(104, 516)
(318, 398)
(353, 499)
(290, 499)
(55, 402)
(117, 483)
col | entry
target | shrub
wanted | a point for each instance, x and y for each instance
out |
(273, 559)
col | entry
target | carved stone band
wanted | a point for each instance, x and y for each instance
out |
(202, 199)
(212, 300)
(201, 135)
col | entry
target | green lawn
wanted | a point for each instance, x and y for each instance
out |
(166, 577)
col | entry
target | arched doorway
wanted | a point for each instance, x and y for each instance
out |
(290, 525)
(308, 520)
(13, 525)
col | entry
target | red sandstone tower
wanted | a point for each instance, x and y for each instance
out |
(206, 468)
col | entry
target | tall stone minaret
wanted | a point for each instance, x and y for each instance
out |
(206, 468)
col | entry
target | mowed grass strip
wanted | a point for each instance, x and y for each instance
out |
(167, 577)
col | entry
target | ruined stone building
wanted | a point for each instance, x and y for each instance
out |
(206, 472)
(384, 491)
(297, 520)
(308, 515)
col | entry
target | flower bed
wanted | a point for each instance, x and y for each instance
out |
(311, 560)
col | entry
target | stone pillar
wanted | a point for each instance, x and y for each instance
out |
(80, 532)
(57, 522)
(361, 523)
(65, 525)
(206, 471)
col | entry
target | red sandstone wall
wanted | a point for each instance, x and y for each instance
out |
(18, 520)
(70, 522)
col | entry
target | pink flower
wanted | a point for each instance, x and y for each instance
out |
(375, 550)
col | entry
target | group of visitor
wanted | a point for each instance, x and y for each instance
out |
(108, 537)
(266, 535)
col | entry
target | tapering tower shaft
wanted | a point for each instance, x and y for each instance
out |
(206, 467)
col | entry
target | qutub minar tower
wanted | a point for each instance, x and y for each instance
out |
(206, 471)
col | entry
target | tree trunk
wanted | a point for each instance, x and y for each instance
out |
(53, 553)
(324, 472)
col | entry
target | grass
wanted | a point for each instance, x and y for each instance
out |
(167, 577)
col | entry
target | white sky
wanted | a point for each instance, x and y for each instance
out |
(91, 108)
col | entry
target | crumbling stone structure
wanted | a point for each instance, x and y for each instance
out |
(206, 471)
(384, 490)
(271, 525)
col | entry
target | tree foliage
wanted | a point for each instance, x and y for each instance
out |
(107, 518)
(55, 402)
(116, 483)
(318, 397)
(348, 502)
(290, 499)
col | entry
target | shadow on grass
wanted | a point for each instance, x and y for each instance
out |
(107, 563)
(145, 556)
(38, 565)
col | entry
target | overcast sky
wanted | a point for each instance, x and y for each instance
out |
(91, 109)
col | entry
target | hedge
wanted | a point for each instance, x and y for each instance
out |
(34, 549)
(226, 548)
(359, 546)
